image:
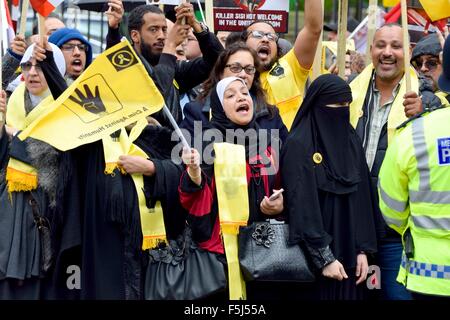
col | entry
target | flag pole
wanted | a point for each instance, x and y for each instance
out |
(317, 65)
(342, 37)
(406, 44)
(23, 17)
(201, 12)
(373, 10)
(41, 24)
(176, 127)
(209, 14)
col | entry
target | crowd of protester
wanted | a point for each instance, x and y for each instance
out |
(325, 140)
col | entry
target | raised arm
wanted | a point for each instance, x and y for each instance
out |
(306, 43)
(115, 15)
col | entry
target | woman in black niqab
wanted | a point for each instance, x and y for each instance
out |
(328, 196)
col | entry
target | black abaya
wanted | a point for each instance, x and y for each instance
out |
(327, 183)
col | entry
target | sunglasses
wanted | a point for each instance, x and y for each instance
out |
(236, 68)
(259, 35)
(26, 66)
(429, 64)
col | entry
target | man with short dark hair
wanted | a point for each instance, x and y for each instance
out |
(148, 31)
(381, 104)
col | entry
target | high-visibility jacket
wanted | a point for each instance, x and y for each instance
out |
(444, 97)
(414, 189)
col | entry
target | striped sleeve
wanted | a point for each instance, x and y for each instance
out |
(203, 216)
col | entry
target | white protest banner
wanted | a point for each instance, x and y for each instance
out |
(235, 15)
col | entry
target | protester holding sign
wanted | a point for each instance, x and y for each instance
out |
(106, 241)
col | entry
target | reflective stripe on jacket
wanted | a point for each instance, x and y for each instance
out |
(414, 190)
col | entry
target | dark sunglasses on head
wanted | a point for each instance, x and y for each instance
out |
(259, 35)
(71, 47)
(26, 66)
(236, 68)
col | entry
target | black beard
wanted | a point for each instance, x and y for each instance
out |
(268, 67)
(148, 55)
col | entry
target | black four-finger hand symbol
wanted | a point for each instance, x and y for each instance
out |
(91, 102)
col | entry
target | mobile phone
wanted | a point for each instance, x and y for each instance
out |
(276, 195)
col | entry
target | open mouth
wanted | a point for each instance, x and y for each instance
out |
(77, 64)
(243, 109)
(263, 52)
(388, 62)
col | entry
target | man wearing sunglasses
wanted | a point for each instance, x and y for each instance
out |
(284, 78)
(425, 59)
(76, 49)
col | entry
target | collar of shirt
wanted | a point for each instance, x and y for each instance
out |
(377, 92)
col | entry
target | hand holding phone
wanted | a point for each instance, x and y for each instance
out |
(276, 195)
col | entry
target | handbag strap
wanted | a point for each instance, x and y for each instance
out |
(38, 219)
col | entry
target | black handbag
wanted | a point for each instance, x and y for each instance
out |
(43, 226)
(265, 255)
(182, 271)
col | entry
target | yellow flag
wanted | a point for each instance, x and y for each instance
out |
(112, 93)
(436, 9)
(390, 3)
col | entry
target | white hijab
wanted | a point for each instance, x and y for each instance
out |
(60, 63)
(223, 84)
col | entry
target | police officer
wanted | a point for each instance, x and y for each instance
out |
(414, 189)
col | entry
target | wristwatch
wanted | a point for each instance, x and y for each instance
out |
(204, 27)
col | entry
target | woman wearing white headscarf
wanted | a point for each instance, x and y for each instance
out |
(28, 187)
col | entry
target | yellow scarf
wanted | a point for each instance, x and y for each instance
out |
(152, 220)
(359, 87)
(19, 175)
(232, 195)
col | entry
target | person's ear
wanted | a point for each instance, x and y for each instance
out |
(135, 36)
